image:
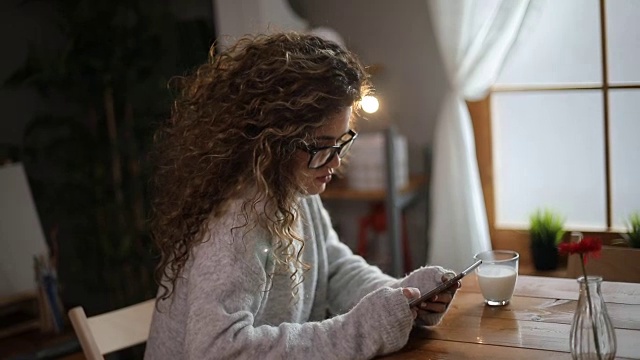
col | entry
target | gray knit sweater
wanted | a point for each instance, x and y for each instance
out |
(226, 306)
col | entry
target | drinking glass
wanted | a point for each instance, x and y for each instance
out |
(497, 275)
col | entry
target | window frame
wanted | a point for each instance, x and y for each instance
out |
(480, 113)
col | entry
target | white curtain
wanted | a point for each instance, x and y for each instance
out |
(474, 38)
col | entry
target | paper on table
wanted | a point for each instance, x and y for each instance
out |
(21, 236)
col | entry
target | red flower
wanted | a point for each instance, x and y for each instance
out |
(588, 246)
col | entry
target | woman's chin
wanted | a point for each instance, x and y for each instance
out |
(315, 189)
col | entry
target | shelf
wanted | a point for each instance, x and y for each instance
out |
(18, 298)
(18, 313)
(339, 190)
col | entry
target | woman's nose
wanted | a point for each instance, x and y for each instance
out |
(335, 162)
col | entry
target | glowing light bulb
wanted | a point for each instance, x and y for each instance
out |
(370, 104)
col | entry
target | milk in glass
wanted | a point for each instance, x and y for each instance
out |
(497, 282)
(497, 275)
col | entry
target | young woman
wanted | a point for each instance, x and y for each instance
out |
(251, 266)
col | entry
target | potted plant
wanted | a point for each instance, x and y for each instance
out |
(632, 236)
(546, 229)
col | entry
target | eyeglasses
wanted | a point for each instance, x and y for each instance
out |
(321, 156)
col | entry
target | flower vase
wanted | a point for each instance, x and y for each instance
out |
(592, 334)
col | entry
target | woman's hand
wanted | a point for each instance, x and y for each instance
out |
(430, 312)
(440, 302)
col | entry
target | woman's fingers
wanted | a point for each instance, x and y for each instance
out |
(438, 303)
(433, 307)
(410, 294)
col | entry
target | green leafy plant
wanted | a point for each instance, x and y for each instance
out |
(546, 228)
(105, 86)
(632, 236)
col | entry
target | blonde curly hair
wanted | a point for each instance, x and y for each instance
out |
(235, 124)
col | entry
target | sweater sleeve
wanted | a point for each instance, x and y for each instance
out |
(350, 276)
(353, 273)
(224, 296)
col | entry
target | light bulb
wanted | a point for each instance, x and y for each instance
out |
(370, 104)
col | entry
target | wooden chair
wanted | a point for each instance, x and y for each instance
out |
(112, 331)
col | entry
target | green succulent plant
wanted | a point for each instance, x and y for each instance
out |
(632, 236)
(546, 228)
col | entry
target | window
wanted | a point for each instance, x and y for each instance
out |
(562, 122)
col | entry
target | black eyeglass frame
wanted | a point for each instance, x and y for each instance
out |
(312, 151)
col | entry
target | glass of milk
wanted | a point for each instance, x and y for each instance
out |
(497, 275)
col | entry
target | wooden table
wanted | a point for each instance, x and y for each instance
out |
(535, 325)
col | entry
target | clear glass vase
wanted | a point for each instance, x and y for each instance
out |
(592, 334)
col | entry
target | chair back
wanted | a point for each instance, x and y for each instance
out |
(112, 331)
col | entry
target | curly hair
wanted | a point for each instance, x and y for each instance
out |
(234, 127)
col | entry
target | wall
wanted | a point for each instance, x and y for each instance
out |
(238, 17)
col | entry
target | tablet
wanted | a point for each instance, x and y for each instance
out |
(445, 285)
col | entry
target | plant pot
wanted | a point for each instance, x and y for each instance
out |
(544, 257)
